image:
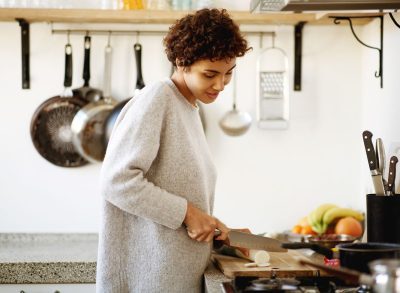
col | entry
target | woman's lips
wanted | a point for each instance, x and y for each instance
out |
(212, 96)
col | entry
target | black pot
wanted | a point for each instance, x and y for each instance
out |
(357, 255)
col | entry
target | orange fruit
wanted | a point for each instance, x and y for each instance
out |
(307, 230)
(349, 226)
(296, 229)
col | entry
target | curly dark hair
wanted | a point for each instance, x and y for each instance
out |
(206, 34)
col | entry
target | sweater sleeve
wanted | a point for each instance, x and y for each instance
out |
(133, 147)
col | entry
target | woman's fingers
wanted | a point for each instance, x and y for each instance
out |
(223, 229)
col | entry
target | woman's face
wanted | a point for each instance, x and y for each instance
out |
(205, 79)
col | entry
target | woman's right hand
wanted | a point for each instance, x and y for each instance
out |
(201, 226)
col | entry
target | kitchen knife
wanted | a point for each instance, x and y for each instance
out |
(381, 159)
(372, 162)
(252, 241)
(390, 190)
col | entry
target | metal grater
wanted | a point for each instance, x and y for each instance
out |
(272, 89)
(271, 84)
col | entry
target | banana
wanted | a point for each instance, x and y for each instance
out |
(317, 214)
(337, 212)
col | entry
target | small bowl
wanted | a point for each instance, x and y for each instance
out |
(330, 240)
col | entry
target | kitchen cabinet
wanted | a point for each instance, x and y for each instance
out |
(47, 288)
(164, 17)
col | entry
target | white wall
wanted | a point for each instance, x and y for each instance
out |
(267, 179)
(381, 106)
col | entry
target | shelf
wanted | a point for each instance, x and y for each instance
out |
(162, 17)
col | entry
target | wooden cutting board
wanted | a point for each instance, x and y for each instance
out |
(283, 265)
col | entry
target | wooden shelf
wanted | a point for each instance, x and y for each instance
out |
(161, 17)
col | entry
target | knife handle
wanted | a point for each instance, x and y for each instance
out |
(317, 248)
(392, 175)
(369, 148)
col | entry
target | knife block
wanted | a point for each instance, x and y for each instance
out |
(383, 218)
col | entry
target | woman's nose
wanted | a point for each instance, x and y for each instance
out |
(219, 84)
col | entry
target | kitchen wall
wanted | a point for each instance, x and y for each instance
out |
(268, 179)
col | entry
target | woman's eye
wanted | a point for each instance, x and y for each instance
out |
(209, 75)
(229, 73)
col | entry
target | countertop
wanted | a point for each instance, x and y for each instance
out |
(51, 258)
(47, 258)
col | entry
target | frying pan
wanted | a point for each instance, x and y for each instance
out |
(88, 124)
(51, 123)
(110, 121)
(354, 255)
(85, 91)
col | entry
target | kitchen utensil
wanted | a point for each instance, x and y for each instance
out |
(88, 124)
(381, 159)
(235, 122)
(390, 190)
(386, 274)
(383, 219)
(282, 265)
(112, 117)
(85, 91)
(51, 123)
(372, 162)
(247, 240)
(272, 90)
(353, 255)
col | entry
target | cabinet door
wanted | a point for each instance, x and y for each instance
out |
(48, 288)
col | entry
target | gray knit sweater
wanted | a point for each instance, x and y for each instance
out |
(157, 160)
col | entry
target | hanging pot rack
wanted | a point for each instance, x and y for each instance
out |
(394, 20)
(338, 19)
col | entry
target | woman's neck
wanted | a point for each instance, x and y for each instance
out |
(180, 83)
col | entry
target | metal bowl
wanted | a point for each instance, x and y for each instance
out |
(330, 240)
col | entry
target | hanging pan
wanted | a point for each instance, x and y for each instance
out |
(88, 124)
(51, 123)
(109, 124)
(85, 91)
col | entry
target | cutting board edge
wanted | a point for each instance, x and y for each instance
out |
(310, 272)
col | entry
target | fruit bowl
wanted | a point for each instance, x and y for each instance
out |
(330, 240)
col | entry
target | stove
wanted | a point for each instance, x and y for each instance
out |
(293, 285)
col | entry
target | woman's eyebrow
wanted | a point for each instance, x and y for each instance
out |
(216, 71)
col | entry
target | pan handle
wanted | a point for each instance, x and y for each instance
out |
(68, 66)
(86, 61)
(138, 56)
(317, 248)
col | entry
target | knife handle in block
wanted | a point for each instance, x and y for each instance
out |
(369, 148)
(392, 175)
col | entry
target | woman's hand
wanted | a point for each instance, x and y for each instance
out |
(201, 226)
(243, 250)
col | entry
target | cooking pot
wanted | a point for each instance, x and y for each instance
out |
(353, 255)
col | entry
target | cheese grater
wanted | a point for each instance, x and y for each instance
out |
(272, 89)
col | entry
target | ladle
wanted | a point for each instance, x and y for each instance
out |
(235, 122)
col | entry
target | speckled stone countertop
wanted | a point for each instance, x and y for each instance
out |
(47, 258)
(51, 258)
(213, 279)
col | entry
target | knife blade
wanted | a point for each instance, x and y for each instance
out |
(381, 159)
(372, 162)
(252, 241)
(392, 176)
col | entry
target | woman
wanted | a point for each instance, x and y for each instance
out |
(158, 179)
